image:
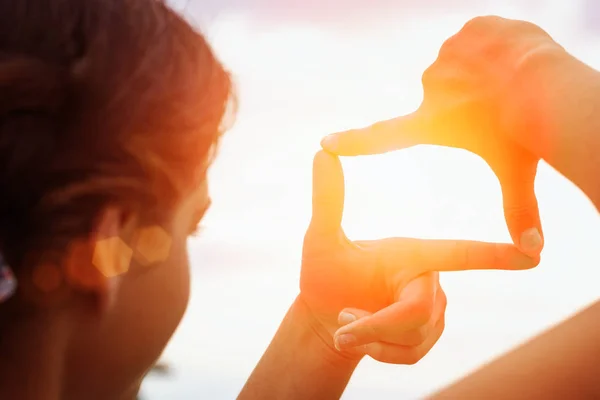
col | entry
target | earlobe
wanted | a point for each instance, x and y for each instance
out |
(111, 259)
(95, 264)
(83, 272)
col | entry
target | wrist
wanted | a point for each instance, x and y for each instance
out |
(299, 363)
(320, 337)
(559, 106)
(532, 97)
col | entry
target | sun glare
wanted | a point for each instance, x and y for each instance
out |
(299, 83)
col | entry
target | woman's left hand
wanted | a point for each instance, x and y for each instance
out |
(381, 298)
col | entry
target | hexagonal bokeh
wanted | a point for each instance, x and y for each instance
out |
(152, 245)
(106, 248)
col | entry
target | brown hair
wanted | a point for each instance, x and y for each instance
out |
(101, 102)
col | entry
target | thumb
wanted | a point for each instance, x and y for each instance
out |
(327, 196)
(413, 310)
(521, 211)
(348, 316)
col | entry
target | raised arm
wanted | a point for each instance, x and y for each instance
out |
(299, 364)
(505, 90)
(378, 298)
(559, 364)
(560, 107)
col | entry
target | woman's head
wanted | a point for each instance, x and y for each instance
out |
(110, 112)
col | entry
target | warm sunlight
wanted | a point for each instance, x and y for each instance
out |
(299, 199)
(295, 84)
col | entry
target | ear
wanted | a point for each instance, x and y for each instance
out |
(96, 264)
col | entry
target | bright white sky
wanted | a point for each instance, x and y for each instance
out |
(299, 81)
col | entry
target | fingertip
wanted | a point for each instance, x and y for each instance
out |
(531, 242)
(321, 154)
(535, 261)
(325, 157)
(350, 315)
(345, 341)
(353, 333)
(349, 327)
(345, 318)
(330, 143)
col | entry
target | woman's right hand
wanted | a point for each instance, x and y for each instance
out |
(479, 95)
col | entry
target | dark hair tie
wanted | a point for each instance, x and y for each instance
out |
(8, 282)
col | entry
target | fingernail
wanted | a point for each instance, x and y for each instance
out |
(344, 341)
(346, 318)
(531, 241)
(329, 141)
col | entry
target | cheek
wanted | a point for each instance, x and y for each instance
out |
(150, 306)
(155, 301)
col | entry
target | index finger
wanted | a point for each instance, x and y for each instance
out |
(381, 137)
(421, 256)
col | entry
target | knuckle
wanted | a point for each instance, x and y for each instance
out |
(480, 22)
(471, 25)
(520, 211)
(526, 27)
(471, 30)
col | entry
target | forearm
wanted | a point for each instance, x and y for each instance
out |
(298, 364)
(560, 364)
(561, 100)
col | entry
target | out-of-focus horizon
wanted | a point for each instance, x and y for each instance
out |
(307, 68)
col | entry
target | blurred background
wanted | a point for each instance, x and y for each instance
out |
(305, 68)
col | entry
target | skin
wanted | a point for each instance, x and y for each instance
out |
(89, 331)
(389, 287)
(506, 91)
(380, 298)
(559, 364)
(100, 326)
